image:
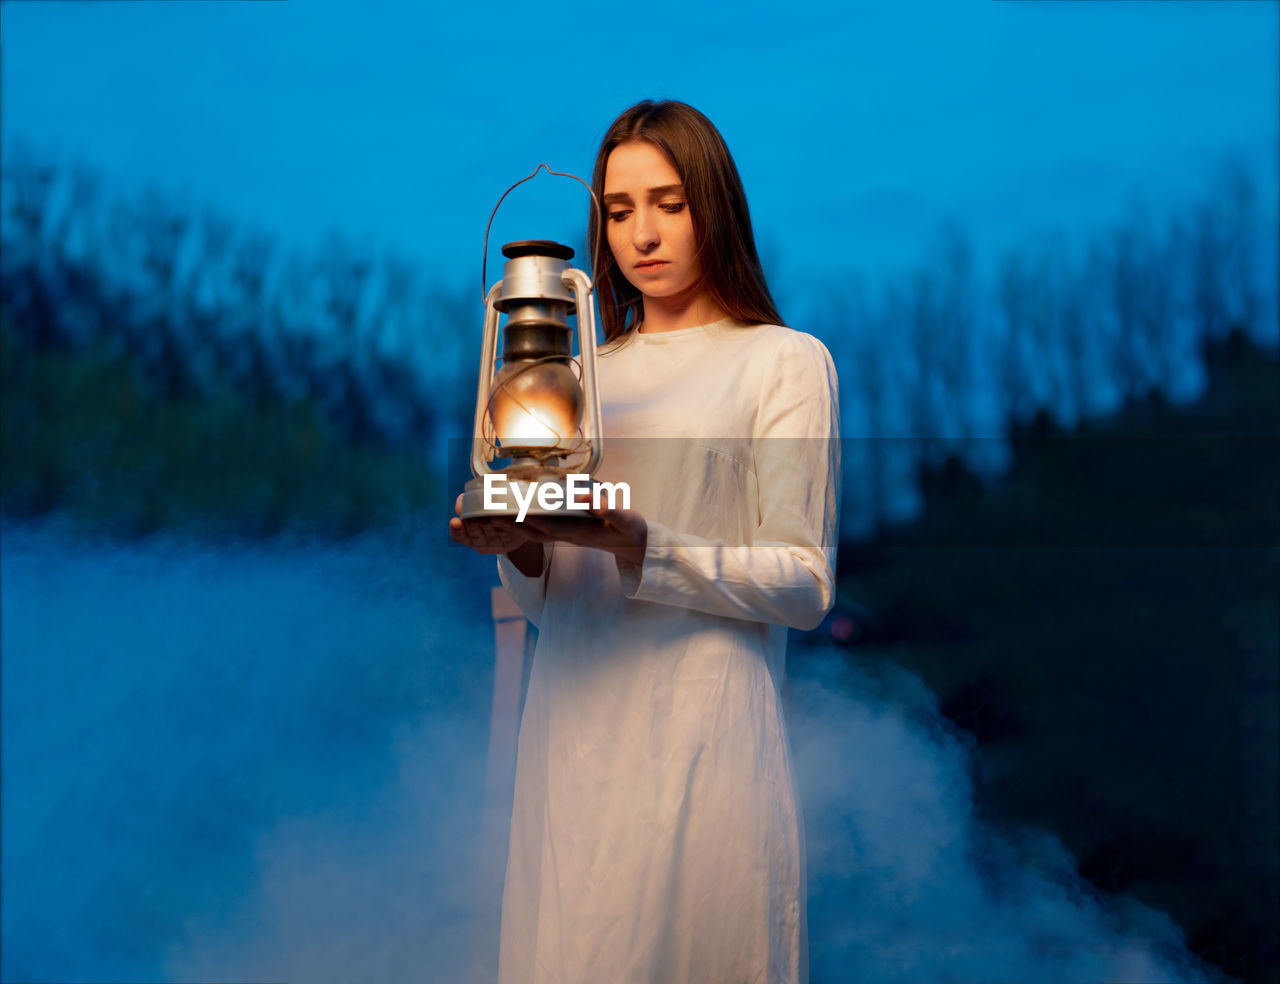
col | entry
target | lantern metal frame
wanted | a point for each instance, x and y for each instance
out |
(548, 285)
(547, 289)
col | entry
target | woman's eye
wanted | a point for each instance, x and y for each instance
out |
(619, 215)
(672, 207)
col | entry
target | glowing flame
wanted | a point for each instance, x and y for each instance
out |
(533, 426)
(536, 406)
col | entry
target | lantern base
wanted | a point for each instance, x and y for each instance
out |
(510, 492)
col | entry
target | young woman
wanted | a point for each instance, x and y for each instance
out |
(656, 835)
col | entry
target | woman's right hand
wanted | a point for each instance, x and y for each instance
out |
(486, 536)
(497, 536)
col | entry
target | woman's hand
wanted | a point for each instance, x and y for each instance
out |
(622, 532)
(491, 535)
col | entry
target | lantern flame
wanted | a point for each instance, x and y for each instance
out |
(535, 404)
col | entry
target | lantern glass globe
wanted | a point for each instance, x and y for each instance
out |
(536, 405)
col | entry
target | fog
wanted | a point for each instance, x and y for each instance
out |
(267, 763)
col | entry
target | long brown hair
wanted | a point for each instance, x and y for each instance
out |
(731, 271)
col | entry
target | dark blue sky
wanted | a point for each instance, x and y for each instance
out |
(858, 127)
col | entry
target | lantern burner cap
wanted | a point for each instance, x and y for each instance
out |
(537, 247)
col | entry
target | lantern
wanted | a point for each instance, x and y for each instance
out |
(541, 408)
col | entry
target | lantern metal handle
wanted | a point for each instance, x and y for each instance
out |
(591, 233)
(481, 453)
(577, 281)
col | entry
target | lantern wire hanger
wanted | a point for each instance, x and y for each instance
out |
(593, 232)
(489, 437)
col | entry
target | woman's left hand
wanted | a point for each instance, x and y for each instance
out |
(622, 532)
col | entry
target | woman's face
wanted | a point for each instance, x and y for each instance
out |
(649, 227)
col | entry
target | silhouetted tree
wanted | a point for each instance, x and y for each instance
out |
(956, 327)
(201, 305)
(1241, 267)
(1017, 388)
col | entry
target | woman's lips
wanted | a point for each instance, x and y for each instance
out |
(650, 264)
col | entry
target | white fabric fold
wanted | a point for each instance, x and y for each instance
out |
(530, 593)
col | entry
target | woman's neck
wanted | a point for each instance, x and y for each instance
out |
(676, 312)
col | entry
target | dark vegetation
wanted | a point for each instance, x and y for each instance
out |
(1102, 616)
(88, 434)
(164, 367)
(163, 371)
(1103, 620)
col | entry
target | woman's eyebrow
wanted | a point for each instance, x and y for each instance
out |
(622, 196)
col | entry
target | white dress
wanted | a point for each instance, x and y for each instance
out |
(656, 836)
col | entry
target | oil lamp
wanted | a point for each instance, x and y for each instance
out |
(541, 408)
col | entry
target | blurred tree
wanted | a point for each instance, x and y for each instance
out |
(1075, 335)
(956, 326)
(202, 306)
(1240, 220)
(1125, 267)
(924, 352)
(1017, 387)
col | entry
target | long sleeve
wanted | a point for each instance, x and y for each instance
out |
(785, 573)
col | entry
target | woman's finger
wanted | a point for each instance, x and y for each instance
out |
(483, 535)
(459, 533)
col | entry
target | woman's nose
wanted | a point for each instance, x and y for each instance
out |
(645, 234)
